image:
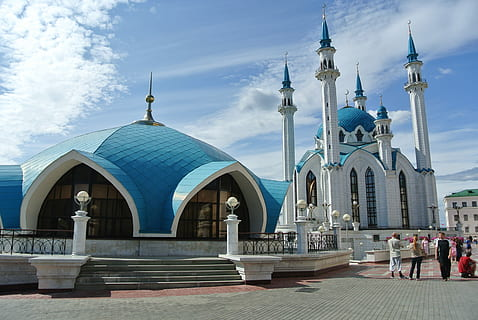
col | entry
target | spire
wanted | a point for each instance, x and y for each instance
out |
(359, 90)
(286, 82)
(347, 98)
(412, 52)
(382, 112)
(148, 116)
(325, 41)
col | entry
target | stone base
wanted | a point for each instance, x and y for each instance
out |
(16, 270)
(57, 272)
(254, 269)
(311, 264)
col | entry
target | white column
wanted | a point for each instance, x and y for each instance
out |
(232, 234)
(302, 245)
(79, 233)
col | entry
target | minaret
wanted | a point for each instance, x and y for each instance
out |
(328, 74)
(287, 110)
(383, 134)
(359, 98)
(148, 116)
(416, 86)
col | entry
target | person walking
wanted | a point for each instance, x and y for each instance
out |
(395, 257)
(425, 246)
(443, 255)
(468, 244)
(459, 249)
(416, 253)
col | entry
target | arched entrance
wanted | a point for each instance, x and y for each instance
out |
(109, 211)
(204, 215)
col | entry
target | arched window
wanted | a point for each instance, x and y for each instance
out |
(341, 136)
(108, 210)
(311, 184)
(330, 64)
(204, 215)
(418, 77)
(413, 77)
(403, 199)
(371, 200)
(354, 196)
(359, 135)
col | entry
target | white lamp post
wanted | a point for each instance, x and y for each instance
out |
(301, 224)
(336, 226)
(346, 217)
(80, 220)
(355, 215)
(232, 227)
(301, 205)
(326, 206)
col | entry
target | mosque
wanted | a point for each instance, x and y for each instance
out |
(353, 167)
(147, 180)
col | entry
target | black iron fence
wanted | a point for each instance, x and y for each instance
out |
(31, 241)
(282, 243)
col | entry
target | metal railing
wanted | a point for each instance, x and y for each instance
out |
(285, 243)
(321, 242)
(268, 243)
(31, 241)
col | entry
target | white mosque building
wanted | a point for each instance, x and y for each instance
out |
(353, 167)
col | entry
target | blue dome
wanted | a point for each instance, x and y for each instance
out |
(350, 118)
(382, 113)
(151, 162)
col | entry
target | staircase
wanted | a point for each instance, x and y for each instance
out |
(156, 273)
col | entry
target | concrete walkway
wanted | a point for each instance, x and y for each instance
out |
(359, 292)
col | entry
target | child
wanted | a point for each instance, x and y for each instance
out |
(467, 266)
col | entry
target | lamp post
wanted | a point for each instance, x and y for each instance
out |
(346, 217)
(433, 207)
(301, 223)
(326, 206)
(355, 215)
(232, 227)
(458, 223)
(336, 226)
(80, 220)
(301, 205)
(310, 214)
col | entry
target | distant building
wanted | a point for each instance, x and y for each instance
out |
(461, 210)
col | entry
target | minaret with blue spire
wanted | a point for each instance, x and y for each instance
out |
(287, 110)
(359, 98)
(328, 74)
(383, 135)
(415, 87)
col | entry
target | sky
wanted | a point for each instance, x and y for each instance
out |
(69, 68)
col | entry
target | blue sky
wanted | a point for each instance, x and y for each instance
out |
(70, 68)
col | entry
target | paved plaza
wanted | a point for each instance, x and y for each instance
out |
(362, 291)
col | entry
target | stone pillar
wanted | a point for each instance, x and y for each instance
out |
(79, 233)
(338, 233)
(232, 234)
(302, 245)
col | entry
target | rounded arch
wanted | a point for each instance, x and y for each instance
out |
(41, 186)
(248, 186)
(311, 185)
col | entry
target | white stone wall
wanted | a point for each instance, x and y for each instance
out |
(15, 269)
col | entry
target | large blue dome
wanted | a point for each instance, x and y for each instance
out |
(349, 118)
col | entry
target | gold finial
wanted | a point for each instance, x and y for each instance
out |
(150, 97)
(347, 97)
(381, 101)
(285, 56)
(409, 27)
(323, 11)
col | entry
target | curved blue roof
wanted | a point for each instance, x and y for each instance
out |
(151, 162)
(350, 118)
(382, 113)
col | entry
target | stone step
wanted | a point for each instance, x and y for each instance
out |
(154, 267)
(155, 273)
(138, 285)
(162, 261)
(183, 278)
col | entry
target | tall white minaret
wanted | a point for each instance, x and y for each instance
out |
(359, 98)
(415, 87)
(328, 74)
(383, 134)
(287, 110)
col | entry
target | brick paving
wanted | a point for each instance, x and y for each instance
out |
(360, 292)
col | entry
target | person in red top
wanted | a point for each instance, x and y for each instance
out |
(467, 266)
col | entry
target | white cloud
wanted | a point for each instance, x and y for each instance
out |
(56, 65)
(445, 70)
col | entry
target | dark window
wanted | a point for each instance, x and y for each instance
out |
(476, 228)
(465, 217)
(464, 204)
(467, 229)
(456, 218)
(473, 203)
(359, 135)
(454, 204)
(354, 196)
(371, 200)
(403, 199)
(204, 215)
(341, 136)
(109, 212)
(475, 217)
(376, 238)
(311, 184)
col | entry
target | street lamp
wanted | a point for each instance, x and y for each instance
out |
(232, 204)
(346, 218)
(311, 208)
(433, 207)
(301, 205)
(355, 215)
(321, 229)
(326, 206)
(82, 199)
(458, 223)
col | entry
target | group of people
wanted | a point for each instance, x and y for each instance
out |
(444, 251)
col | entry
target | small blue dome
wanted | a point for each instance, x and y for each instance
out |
(350, 118)
(382, 113)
